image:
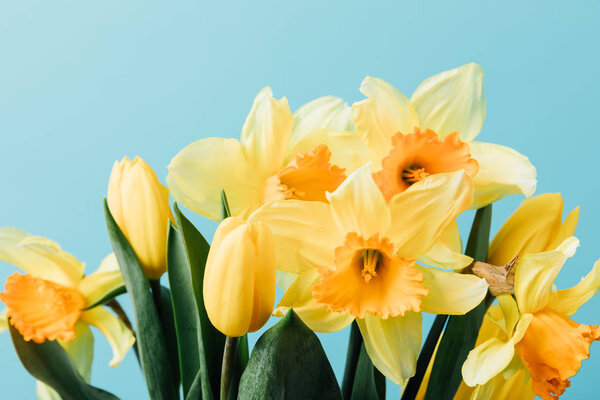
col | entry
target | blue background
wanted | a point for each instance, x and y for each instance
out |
(84, 83)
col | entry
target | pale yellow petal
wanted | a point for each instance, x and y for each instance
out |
(316, 316)
(510, 312)
(284, 279)
(3, 321)
(536, 273)
(486, 361)
(305, 233)
(105, 280)
(566, 229)
(422, 213)
(358, 205)
(502, 172)
(450, 292)
(385, 112)
(452, 101)
(568, 301)
(327, 112)
(446, 252)
(81, 350)
(118, 335)
(393, 344)
(201, 170)
(45, 392)
(266, 132)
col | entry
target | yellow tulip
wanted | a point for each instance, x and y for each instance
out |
(139, 204)
(239, 280)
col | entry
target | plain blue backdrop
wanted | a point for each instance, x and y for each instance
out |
(83, 83)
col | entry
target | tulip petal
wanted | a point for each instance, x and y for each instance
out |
(201, 170)
(358, 205)
(452, 101)
(316, 316)
(118, 335)
(106, 279)
(327, 112)
(422, 213)
(305, 233)
(568, 301)
(450, 292)
(536, 273)
(502, 172)
(385, 112)
(446, 252)
(486, 361)
(393, 344)
(39, 257)
(266, 133)
(264, 272)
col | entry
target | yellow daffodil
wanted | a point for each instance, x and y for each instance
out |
(239, 281)
(537, 331)
(140, 205)
(433, 133)
(355, 259)
(280, 156)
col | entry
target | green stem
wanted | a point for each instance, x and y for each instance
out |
(354, 344)
(227, 366)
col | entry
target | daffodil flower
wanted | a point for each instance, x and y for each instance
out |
(355, 259)
(49, 301)
(280, 156)
(434, 132)
(537, 331)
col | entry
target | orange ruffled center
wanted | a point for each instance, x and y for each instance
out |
(41, 310)
(415, 156)
(552, 350)
(307, 177)
(369, 278)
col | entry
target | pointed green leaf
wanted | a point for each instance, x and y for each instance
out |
(108, 297)
(167, 321)
(288, 362)
(225, 210)
(369, 383)
(151, 343)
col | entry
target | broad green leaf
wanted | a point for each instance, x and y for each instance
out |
(461, 331)
(48, 362)
(195, 391)
(167, 321)
(288, 362)
(151, 343)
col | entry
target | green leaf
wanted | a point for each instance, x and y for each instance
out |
(151, 343)
(184, 308)
(225, 210)
(354, 345)
(108, 297)
(461, 331)
(195, 391)
(210, 342)
(167, 321)
(49, 363)
(288, 362)
(239, 365)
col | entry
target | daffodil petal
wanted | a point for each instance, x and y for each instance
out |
(3, 320)
(502, 172)
(316, 316)
(39, 257)
(422, 213)
(536, 273)
(568, 301)
(305, 233)
(486, 361)
(202, 169)
(327, 112)
(528, 230)
(99, 284)
(118, 335)
(358, 205)
(284, 279)
(266, 132)
(446, 252)
(510, 312)
(450, 292)
(81, 350)
(385, 112)
(452, 101)
(567, 229)
(393, 344)
(45, 392)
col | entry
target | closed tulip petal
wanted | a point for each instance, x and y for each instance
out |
(446, 252)
(106, 279)
(502, 172)
(326, 112)
(384, 113)
(310, 243)
(358, 205)
(393, 344)
(487, 360)
(201, 170)
(452, 101)
(451, 293)
(266, 133)
(118, 335)
(39, 257)
(536, 273)
(568, 301)
(316, 316)
(422, 213)
(264, 272)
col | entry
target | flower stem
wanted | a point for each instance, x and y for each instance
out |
(227, 366)
(354, 344)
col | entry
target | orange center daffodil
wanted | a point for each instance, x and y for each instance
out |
(280, 156)
(355, 259)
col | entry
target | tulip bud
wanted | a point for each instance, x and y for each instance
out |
(139, 204)
(239, 279)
